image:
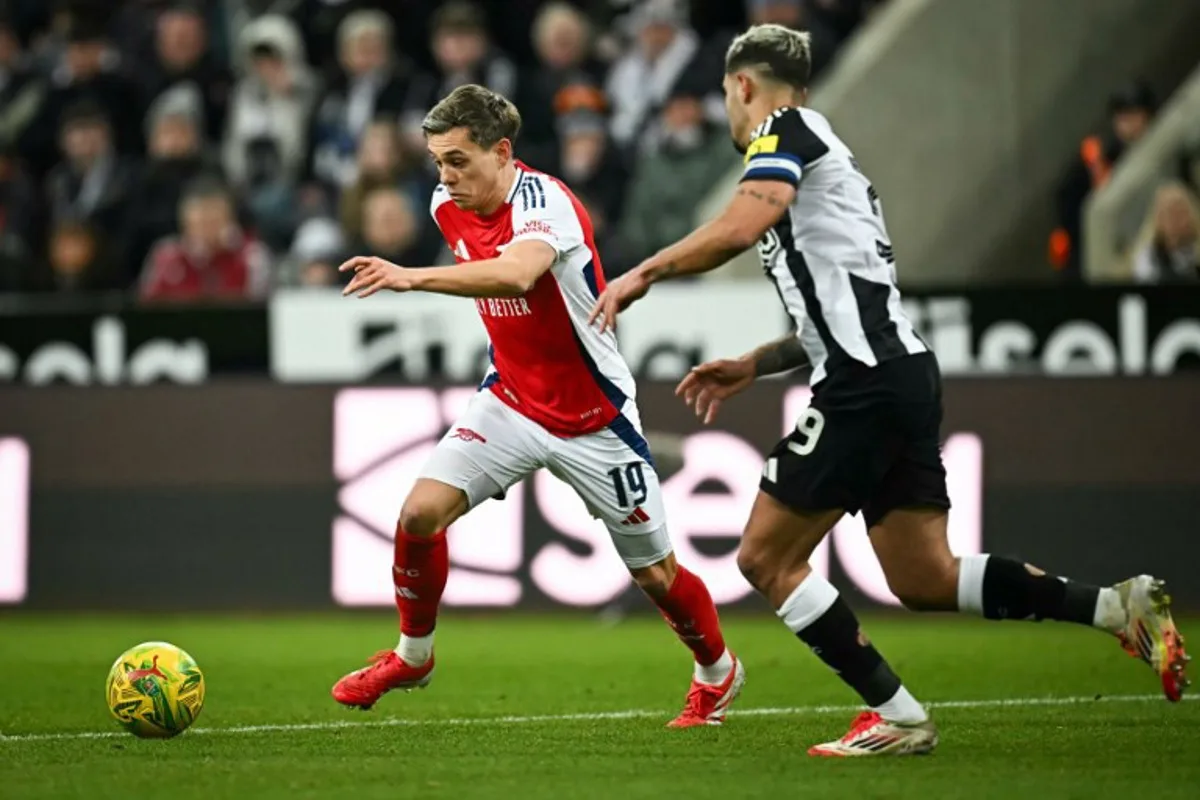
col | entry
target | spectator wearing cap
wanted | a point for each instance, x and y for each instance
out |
(641, 81)
(372, 82)
(463, 53)
(93, 181)
(182, 55)
(821, 18)
(266, 147)
(686, 155)
(89, 69)
(1131, 111)
(213, 258)
(562, 43)
(176, 155)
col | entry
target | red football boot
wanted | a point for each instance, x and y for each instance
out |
(363, 688)
(706, 704)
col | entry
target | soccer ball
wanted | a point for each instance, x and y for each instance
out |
(155, 690)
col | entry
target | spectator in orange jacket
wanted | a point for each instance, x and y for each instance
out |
(212, 258)
(1130, 113)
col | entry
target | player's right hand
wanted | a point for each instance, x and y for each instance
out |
(707, 386)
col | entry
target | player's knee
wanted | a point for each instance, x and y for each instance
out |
(419, 518)
(425, 513)
(656, 579)
(756, 566)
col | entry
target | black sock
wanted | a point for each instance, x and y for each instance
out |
(1011, 591)
(837, 639)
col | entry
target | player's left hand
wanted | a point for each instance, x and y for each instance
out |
(617, 297)
(709, 385)
(372, 274)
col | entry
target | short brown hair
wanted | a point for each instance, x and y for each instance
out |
(487, 116)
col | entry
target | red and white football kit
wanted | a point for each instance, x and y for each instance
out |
(558, 394)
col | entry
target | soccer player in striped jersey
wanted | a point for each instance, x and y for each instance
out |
(870, 440)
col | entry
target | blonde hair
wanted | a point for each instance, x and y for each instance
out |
(555, 12)
(1167, 192)
(774, 52)
(366, 21)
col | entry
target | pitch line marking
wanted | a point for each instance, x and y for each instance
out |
(638, 713)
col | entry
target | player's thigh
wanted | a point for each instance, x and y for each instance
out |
(916, 476)
(778, 542)
(488, 449)
(914, 551)
(613, 473)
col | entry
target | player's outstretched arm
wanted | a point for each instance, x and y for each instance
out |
(709, 385)
(754, 209)
(512, 274)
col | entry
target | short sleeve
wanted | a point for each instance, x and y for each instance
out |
(440, 197)
(785, 147)
(544, 212)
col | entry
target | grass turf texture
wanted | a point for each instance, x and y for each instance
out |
(278, 671)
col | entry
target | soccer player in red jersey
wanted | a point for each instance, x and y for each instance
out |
(558, 395)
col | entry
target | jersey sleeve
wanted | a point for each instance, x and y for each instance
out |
(543, 212)
(440, 197)
(783, 150)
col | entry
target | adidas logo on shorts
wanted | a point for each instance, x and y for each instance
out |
(636, 518)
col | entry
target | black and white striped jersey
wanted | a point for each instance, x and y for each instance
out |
(829, 255)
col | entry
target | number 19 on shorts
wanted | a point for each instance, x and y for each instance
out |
(629, 481)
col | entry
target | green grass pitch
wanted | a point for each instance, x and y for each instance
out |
(565, 707)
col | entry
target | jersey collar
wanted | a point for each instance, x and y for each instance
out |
(516, 187)
(765, 125)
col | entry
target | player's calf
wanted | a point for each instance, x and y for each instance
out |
(934, 589)
(684, 602)
(913, 549)
(686, 605)
(1002, 588)
(774, 557)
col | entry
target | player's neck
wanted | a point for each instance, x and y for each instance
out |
(767, 104)
(508, 174)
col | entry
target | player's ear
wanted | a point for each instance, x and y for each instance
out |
(745, 87)
(503, 151)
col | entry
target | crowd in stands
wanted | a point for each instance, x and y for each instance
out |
(189, 150)
(1167, 248)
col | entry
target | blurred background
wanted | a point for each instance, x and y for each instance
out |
(179, 375)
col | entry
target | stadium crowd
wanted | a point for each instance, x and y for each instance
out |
(1166, 248)
(191, 150)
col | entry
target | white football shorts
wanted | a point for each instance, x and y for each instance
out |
(491, 447)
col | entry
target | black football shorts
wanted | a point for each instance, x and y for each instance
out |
(869, 441)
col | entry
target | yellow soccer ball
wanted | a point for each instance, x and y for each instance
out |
(155, 690)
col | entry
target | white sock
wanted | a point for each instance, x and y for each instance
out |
(415, 650)
(903, 707)
(1110, 613)
(807, 602)
(970, 583)
(715, 673)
